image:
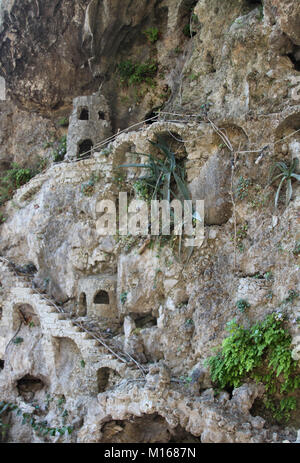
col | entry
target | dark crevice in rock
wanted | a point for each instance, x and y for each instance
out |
(151, 114)
(1, 364)
(82, 309)
(254, 3)
(294, 56)
(229, 389)
(106, 378)
(144, 321)
(29, 268)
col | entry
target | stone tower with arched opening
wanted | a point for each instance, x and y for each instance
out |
(89, 124)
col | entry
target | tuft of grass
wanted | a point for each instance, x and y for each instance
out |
(242, 305)
(63, 122)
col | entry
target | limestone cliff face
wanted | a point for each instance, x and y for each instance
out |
(111, 328)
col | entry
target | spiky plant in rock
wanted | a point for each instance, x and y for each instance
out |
(287, 174)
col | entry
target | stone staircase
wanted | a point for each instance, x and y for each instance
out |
(57, 324)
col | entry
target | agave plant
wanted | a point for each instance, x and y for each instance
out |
(287, 173)
(166, 179)
(163, 174)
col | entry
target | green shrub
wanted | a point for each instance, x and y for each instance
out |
(16, 176)
(136, 73)
(13, 178)
(152, 34)
(261, 353)
(242, 189)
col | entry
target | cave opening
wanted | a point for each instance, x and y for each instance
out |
(146, 429)
(144, 320)
(28, 385)
(101, 297)
(85, 147)
(101, 115)
(1, 364)
(84, 114)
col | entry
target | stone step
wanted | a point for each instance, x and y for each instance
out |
(91, 344)
(49, 308)
(61, 324)
(77, 329)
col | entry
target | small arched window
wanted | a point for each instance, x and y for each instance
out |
(101, 297)
(84, 114)
(85, 147)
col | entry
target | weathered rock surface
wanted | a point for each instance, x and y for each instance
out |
(231, 91)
